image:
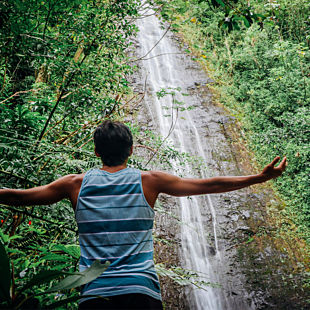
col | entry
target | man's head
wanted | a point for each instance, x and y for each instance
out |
(113, 142)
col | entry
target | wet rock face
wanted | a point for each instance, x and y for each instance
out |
(272, 262)
(167, 252)
(167, 241)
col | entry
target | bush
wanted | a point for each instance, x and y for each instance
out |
(259, 57)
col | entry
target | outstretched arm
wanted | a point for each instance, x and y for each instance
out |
(176, 186)
(64, 187)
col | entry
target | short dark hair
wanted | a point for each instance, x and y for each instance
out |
(113, 142)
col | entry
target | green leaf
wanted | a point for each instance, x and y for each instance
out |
(57, 257)
(5, 278)
(259, 16)
(93, 272)
(247, 21)
(242, 18)
(221, 3)
(235, 25)
(5, 238)
(71, 249)
(176, 26)
(44, 277)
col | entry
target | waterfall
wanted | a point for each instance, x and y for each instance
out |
(165, 65)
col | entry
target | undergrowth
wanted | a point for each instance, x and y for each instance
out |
(262, 75)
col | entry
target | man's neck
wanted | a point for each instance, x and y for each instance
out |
(114, 168)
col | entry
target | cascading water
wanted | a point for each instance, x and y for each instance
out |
(166, 66)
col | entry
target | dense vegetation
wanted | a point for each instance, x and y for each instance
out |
(64, 67)
(258, 54)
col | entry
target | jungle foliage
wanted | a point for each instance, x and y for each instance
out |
(258, 53)
(64, 67)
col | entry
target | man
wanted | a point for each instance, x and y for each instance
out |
(114, 212)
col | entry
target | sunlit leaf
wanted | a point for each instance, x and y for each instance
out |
(93, 272)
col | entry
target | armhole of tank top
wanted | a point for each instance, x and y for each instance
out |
(140, 178)
(82, 185)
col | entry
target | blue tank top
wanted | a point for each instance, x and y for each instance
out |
(115, 224)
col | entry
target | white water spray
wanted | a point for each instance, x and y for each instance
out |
(165, 68)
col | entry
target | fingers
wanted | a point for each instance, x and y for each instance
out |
(283, 163)
(275, 160)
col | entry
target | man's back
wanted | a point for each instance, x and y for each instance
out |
(115, 224)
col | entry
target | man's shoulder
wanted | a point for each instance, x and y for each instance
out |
(153, 176)
(159, 181)
(72, 179)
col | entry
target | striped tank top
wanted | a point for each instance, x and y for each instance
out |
(115, 224)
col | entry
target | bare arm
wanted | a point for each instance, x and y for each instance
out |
(176, 186)
(65, 187)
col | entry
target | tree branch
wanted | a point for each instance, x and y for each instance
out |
(18, 93)
(19, 177)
